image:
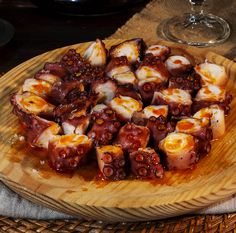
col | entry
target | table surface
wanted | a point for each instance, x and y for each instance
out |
(38, 31)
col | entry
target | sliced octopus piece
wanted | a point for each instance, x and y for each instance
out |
(111, 162)
(29, 103)
(96, 53)
(67, 152)
(180, 151)
(212, 74)
(132, 49)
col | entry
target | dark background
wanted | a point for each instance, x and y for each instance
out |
(38, 30)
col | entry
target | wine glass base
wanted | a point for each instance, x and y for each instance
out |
(201, 30)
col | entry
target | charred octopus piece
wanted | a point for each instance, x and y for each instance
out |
(117, 65)
(180, 151)
(73, 61)
(212, 74)
(145, 164)
(178, 65)
(39, 131)
(156, 111)
(178, 101)
(74, 109)
(96, 53)
(216, 115)
(76, 124)
(125, 106)
(106, 89)
(160, 51)
(37, 87)
(65, 92)
(152, 67)
(46, 76)
(111, 162)
(132, 49)
(105, 126)
(159, 128)
(56, 69)
(29, 103)
(131, 137)
(190, 83)
(80, 69)
(67, 151)
(198, 128)
(141, 118)
(148, 86)
(125, 78)
(210, 95)
(128, 90)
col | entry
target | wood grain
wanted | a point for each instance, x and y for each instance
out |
(26, 172)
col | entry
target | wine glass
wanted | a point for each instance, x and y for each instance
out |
(196, 28)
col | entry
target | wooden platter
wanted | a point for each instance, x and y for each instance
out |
(26, 171)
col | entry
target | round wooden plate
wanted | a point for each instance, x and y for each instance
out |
(27, 172)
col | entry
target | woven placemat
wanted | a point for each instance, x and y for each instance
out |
(145, 25)
(207, 223)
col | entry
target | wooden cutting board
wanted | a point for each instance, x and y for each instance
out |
(26, 171)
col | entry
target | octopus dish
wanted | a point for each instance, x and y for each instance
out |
(135, 110)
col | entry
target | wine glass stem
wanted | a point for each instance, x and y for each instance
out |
(196, 11)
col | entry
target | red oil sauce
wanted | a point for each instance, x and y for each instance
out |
(177, 62)
(37, 159)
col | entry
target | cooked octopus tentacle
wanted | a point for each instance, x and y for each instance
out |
(39, 131)
(96, 53)
(29, 103)
(45, 75)
(37, 87)
(178, 65)
(131, 137)
(128, 90)
(125, 106)
(105, 125)
(111, 162)
(159, 128)
(76, 125)
(57, 69)
(148, 86)
(118, 65)
(145, 164)
(127, 77)
(160, 51)
(132, 49)
(106, 90)
(152, 67)
(210, 95)
(191, 83)
(178, 101)
(214, 114)
(180, 151)
(198, 128)
(66, 152)
(212, 74)
(74, 109)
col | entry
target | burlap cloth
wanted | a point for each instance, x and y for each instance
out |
(147, 23)
(144, 24)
